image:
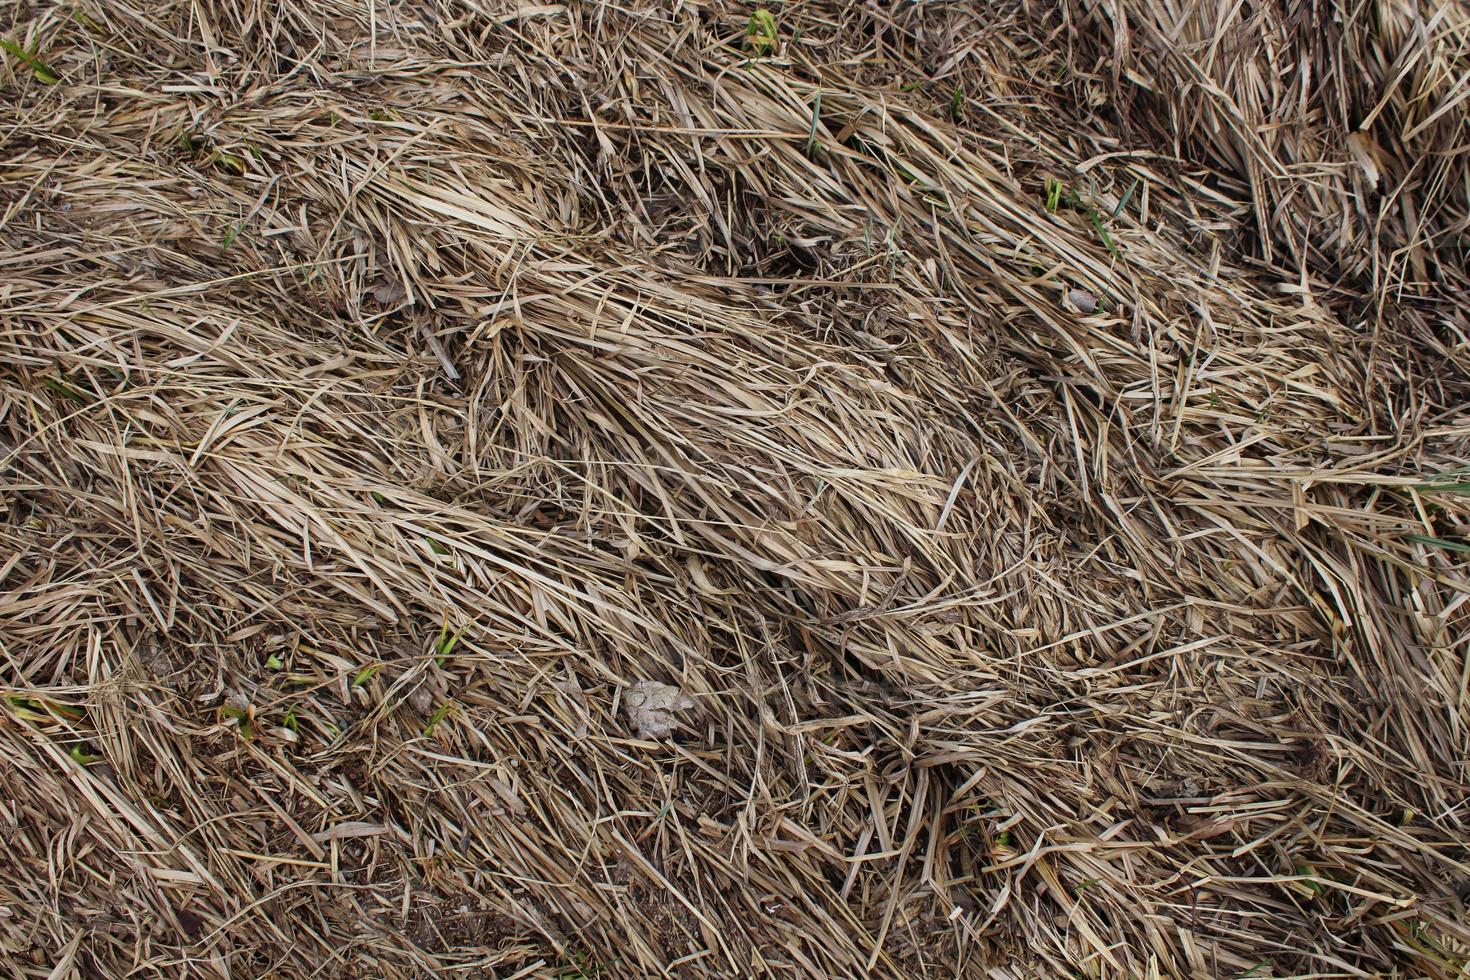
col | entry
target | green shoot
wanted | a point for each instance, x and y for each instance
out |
(366, 674)
(39, 69)
(1450, 481)
(66, 712)
(1311, 884)
(231, 235)
(242, 717)
(290, 722)
(66, 391)
(581, 966)
(1059, 195)
(444, 646)
(27, 709)
(228, 161)
(82, 757)
(1102, 232)
(761, 33)
(1460, 547)
(1127, 196)
(273, 662)
(957, 104)
(439, 715)
(37, 710)
(1054, 189)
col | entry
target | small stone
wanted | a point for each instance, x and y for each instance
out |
(1082, 301)
(650, 706)
(388, 293)
(421, 701)
(429, 692)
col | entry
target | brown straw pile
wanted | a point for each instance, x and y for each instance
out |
(919, 489)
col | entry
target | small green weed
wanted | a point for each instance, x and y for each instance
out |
(1054, 190)
(1450, 481)
(67, 391)
(27, 709)
(446, 642)
(44, 712)
(1127, 196)
(762, 33)
(439, 715)
(230, 235)
(365, 674)
(228, 161)
(580, 966)
(82, 757)
(243, 717)
(1311, 884)
(1456, 546)
(1058, 195)
(41, 71)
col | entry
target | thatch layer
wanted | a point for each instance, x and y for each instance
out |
(1041, 536)
(1345, 126)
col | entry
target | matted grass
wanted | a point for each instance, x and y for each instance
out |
(568, 490)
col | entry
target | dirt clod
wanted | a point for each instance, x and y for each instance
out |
(651, 707)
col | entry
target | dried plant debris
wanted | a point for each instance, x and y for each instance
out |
(1082, 301)
(1033, 438)
(651, 707)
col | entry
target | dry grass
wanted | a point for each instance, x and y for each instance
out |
(387, 389)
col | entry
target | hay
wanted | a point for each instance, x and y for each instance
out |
(407, 405)
(1343, 125)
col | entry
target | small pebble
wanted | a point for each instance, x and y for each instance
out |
(1082, 301)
